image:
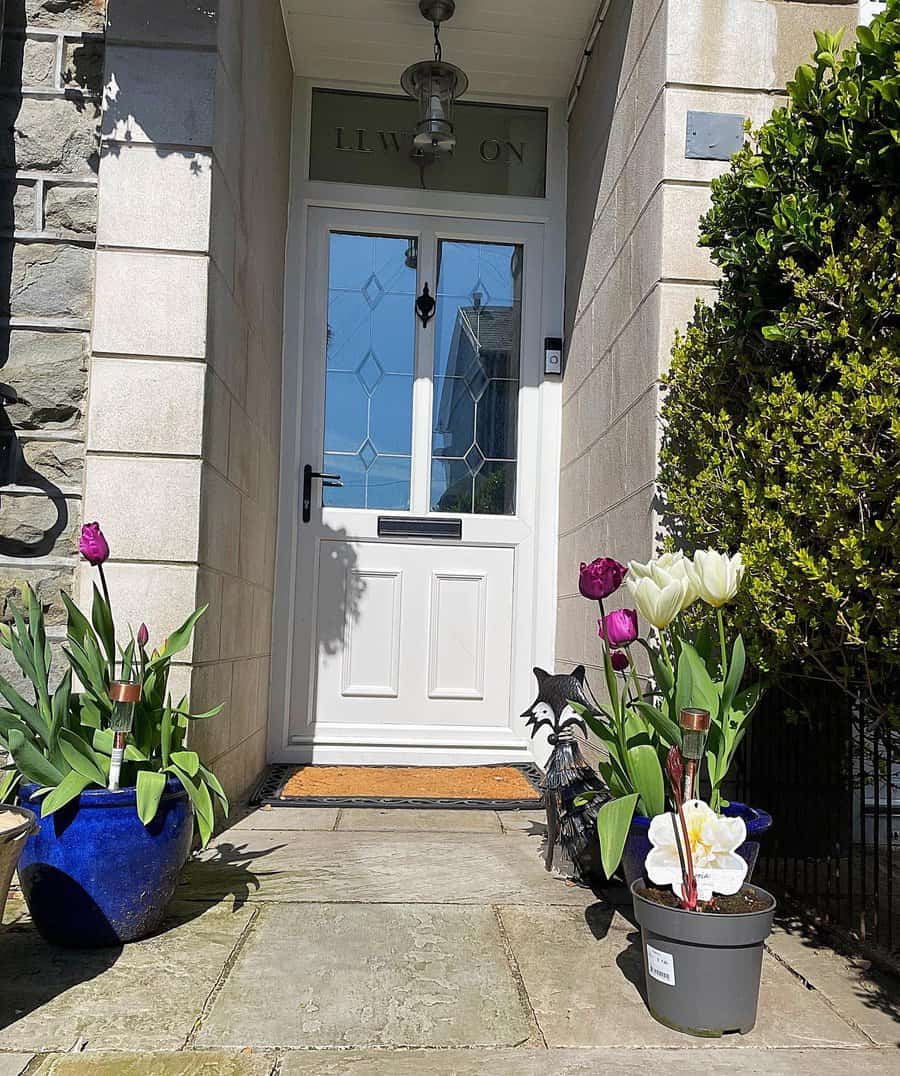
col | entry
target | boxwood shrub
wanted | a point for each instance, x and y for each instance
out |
(781, 411)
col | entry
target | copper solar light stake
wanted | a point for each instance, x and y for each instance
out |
(694, 731)
(124, 695)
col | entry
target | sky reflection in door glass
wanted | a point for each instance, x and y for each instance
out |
(476, 377)
(370, 355)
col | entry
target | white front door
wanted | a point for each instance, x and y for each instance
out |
(413, 608)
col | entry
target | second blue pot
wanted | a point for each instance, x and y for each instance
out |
(93, 874)
(637, 843)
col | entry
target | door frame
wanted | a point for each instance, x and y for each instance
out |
(549, 212)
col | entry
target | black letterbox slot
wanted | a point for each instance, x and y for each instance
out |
(412, 527)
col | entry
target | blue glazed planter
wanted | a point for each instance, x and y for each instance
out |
(637, 843)
(93, 874)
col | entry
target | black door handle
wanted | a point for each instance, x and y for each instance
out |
(326, 479)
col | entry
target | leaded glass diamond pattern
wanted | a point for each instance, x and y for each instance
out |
(372, 291)
(370, 357)
(476, 382)
(370, 372)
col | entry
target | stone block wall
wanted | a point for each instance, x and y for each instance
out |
(633, 268)
(50, 87)
(184, 417)
(250, 191)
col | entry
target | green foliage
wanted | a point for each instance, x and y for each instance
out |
(59, 741)
(782, 411)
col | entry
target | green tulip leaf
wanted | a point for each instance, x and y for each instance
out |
(613, 822)
(82, 757)
(102, 741)
(32, 763)
(77, 626)
(150, 787)
(667, 730)
(72, 785)
(188, 761)
(704, 695)
(101, 617)
(647, 775)
(735, 674)
(201, 800)
(180, 638)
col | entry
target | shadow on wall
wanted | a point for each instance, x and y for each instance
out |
(84, 72)
(133, 110)
(588, 145)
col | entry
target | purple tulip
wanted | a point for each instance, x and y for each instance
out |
(93, 546)
(621, 627)
(143, 636)
(601, 578)
(619, 660)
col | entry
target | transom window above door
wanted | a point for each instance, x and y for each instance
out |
(438, 400)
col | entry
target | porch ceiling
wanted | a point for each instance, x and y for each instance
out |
(521, 47)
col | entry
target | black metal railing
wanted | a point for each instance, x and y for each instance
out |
(831, 779)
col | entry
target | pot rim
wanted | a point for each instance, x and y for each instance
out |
(760, 820)
(719, 916)
(28, 825)
(102, 797)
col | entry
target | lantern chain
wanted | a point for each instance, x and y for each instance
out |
(438, 54)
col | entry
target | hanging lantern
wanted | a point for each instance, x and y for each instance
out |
(435, 85)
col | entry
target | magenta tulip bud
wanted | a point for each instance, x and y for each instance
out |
(619, 660)
(601, 578)
(621, 627)
(143, 636)
(93, 545)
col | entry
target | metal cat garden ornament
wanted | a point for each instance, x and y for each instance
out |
(573, 848)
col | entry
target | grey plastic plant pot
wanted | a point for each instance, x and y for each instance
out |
(12, 840)
(702, 970)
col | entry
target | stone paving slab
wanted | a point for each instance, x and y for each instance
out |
(15, 910)
(531, 822)
(13, 1064)
(399, 820)
(293, 818)
(584, 978)
(171, 1064)
(364, 975)
(448, 868)
(864, 995)
(143, 996)
(686, 1062)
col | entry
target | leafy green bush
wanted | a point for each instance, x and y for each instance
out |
(782, 407)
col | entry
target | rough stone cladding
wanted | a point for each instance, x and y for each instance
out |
(50, 86)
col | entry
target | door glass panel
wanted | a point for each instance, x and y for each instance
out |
(369, 366)
(476, 377)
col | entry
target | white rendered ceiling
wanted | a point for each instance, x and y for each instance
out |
(525, 48)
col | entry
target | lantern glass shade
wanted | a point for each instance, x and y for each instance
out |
(435, 85)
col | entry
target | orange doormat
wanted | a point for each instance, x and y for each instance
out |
(403, 785)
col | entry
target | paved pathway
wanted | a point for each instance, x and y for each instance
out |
(416, 943)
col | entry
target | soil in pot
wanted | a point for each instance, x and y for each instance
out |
(742, 902)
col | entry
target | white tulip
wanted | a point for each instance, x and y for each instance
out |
(713, 841)
(659, 602)
(716, 576)
(654, 601)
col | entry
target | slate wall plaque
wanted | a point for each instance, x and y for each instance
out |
(713, 136)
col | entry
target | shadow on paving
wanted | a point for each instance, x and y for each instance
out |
(875, 987)
(226, 873)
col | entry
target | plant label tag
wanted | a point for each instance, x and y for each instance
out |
(661, 966)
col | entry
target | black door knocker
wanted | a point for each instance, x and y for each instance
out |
(425, 305)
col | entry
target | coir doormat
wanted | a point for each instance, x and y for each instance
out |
(506, 787)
